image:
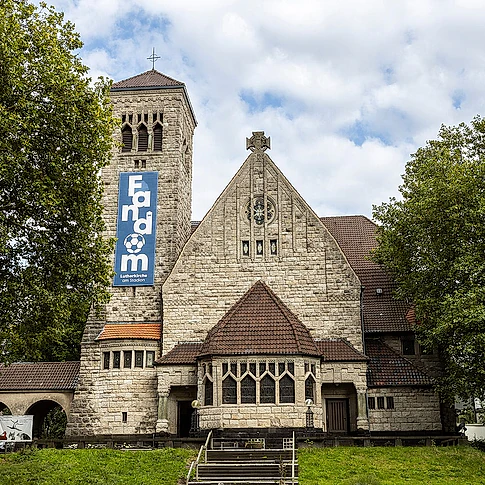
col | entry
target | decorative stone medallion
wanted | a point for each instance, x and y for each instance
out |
(255, 211)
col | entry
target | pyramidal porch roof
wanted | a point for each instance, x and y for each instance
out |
(259, 323)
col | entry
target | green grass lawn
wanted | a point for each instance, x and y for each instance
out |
(89, 467)
(347, 466)
(382, 466)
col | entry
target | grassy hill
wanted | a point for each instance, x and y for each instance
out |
(347, 466)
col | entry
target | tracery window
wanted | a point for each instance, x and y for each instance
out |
(287, 389)
(208, 392)
(257, 212)
(310, 388)
(229, 390)
(248, 390)
(267, 390)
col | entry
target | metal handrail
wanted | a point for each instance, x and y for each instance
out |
(197, 461)
(293, 460)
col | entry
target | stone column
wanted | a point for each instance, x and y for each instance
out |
(362, 420)
(162, 417)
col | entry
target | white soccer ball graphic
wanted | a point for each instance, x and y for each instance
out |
(134, 242)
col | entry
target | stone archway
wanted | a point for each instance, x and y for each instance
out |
(4, 409)
(49, 419)
(340, 407)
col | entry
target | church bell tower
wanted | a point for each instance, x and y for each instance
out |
(147, 209)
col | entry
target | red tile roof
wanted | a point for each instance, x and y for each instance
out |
(259, 323)
(149, 79)
(143, 331)
(388, 368)
(185, 353)
(339, 350)
(356, 237)
(39, 376)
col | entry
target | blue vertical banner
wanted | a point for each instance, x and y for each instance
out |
(135, 229)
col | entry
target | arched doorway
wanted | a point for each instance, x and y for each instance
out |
(340, 407)
(49, 419)
(4, 409)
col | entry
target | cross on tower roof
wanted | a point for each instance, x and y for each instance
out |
(154, 58)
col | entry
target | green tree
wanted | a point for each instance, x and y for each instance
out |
(432, 241)
(55, 136)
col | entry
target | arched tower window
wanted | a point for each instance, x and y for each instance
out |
(127, 138)
(229, 390)
(157, 137)
(208, 392)
(287, 389)
(248, 390)
(142, 138)
(267, 394)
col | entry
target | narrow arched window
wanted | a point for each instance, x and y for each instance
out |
(267, 394)
(142, 138)
(208, 392)
(248, 390)
(287, 389)
(229, 391)
(127, 138)
(310, 388)
(157, 137)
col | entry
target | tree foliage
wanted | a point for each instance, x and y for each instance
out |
(55, 136)
(433, 243)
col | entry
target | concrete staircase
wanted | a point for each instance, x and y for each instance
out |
(243, 466)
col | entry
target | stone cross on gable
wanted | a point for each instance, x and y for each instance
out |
(258, 142)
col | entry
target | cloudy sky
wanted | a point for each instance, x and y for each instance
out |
(346, 89)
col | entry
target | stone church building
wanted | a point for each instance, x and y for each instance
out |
(257, 313)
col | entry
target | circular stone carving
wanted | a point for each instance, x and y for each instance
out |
(258, 213)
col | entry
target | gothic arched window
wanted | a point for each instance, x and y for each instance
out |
(287, 389)
(267, 394)
(208, 392)
(142, 138)
(248, 390)
(310, 388)
(157, 137)
(127, 138)
(229, 391)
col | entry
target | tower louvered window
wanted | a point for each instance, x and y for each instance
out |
(157, 137)
(142, 138)
(127, 138)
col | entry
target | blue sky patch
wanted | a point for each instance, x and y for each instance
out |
(360, 131)
(457, 97)
(259, 102)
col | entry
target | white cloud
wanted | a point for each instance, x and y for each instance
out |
(385, 74)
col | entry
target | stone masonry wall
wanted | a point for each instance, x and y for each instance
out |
(104, 394)
(308, 272)
(414, 410)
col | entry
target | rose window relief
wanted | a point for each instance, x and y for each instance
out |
(257, 212)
